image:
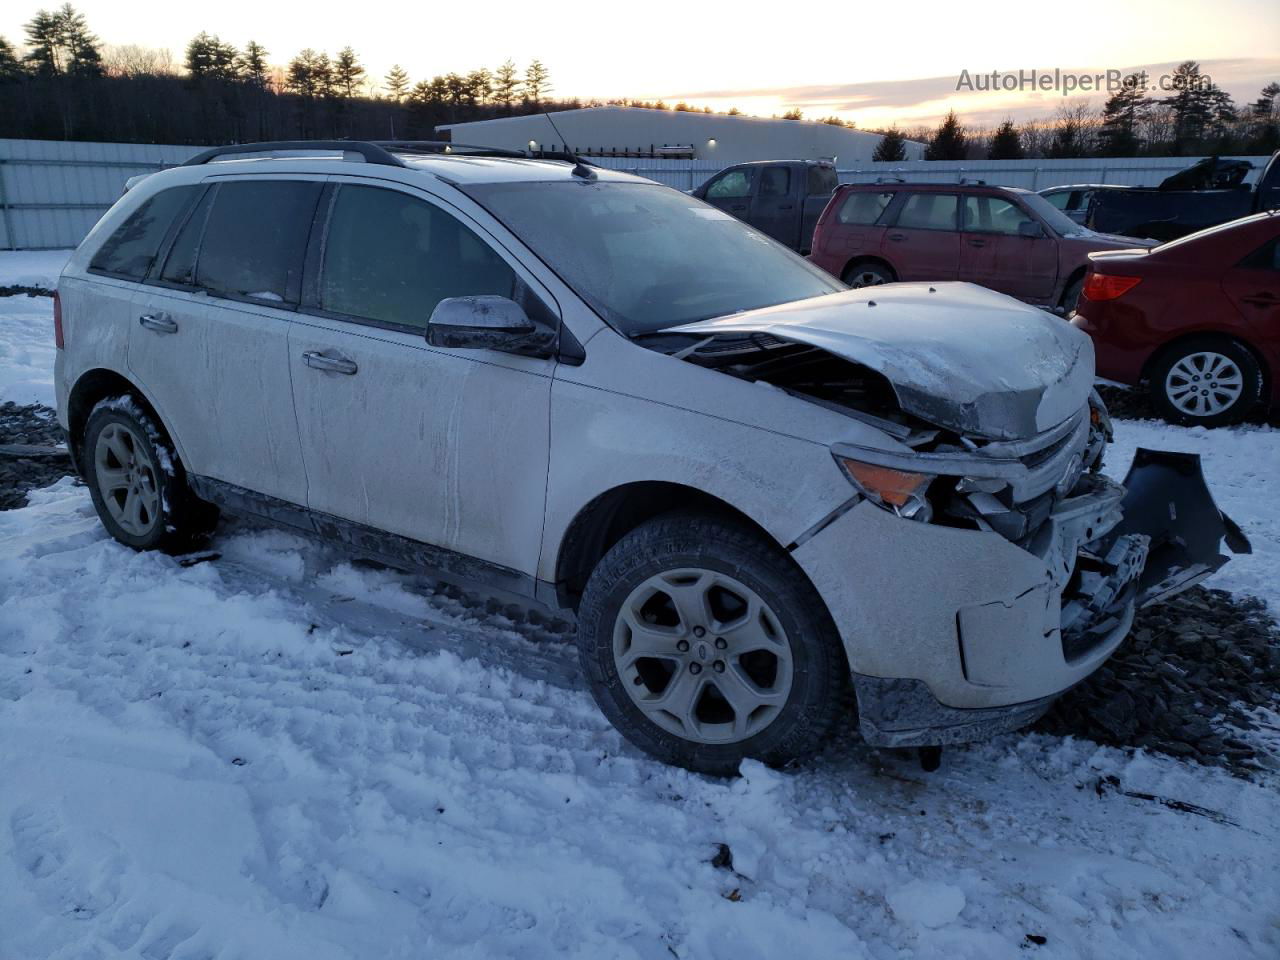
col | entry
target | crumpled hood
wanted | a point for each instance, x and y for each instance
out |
(957, 355)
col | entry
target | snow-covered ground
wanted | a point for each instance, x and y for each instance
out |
(26, 326)
(32, 268)
(281, 754)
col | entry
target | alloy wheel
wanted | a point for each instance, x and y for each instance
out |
(866, 278)
(1204, 384)
(127, 479)
(702, 655)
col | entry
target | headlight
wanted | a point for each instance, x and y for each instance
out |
(897, 491)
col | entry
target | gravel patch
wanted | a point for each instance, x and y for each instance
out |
(35, 426)
(1193, 680)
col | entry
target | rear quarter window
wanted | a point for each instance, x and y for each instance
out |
(864, 207)
(132, 247)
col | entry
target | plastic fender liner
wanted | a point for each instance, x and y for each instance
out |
(1166, 498)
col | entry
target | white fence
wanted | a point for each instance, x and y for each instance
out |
(52, 193)
(1032, 174)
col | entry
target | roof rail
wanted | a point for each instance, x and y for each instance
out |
(447, 146)
(371, 152)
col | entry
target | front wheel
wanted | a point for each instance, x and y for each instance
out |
(704, 643)
(1206, 381)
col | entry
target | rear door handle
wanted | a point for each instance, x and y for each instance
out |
(320, 361)
(158, 322)
(786, 206)
(977, 243)
(897, 236)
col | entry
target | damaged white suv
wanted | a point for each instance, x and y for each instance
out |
(758, 490)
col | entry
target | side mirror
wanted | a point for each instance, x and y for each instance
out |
(488, 323)
(1029, 228)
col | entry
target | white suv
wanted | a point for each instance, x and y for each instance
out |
(758, 491)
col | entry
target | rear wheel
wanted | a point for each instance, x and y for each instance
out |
(1206, 381)
(704, 643)
(1071, 297)
(867, 274)
(136, 480)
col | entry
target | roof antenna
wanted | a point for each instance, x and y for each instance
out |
(580, 169)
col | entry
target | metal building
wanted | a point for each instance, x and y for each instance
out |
(712, 139)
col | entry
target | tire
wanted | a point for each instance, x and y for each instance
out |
(867, 274)
(1071, 297)
(1232, 394)
(786, 667)
(137, 482)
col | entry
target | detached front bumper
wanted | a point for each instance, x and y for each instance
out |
(956, 634)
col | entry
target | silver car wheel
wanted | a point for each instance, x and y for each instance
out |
(702, 656)
(1204, 384)
(867, 278)
(127, 480)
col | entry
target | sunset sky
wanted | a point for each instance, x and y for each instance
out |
(873, 64)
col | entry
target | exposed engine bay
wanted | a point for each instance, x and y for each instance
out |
(1110, 548)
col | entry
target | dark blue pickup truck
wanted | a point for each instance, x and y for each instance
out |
(782, 198)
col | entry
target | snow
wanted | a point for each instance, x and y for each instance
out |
(32, 268)
(26, 349)
(282, 753)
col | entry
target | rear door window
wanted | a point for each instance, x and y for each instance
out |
(256, 238)
(864, 207)
(131, 249)
(390, 258)
(929, 211)
(775, 182)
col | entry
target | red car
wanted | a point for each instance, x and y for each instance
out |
(1197, 319)
(1004, 238)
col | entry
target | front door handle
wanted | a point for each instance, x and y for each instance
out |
(158, 322)
(977, 243)
(320, 361)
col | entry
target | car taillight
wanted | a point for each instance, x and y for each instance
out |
(1101, 286)
(57, 321)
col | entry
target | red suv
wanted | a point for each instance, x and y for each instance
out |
(1010, 240)
(1197, 319)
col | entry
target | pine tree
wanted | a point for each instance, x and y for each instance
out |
(1123, 112)
(61, 44)
(537, 81)
(1201, 110)
(347, 73)
(84, 51)
(892, 147)
(208, 58)
(397, 83)
(948, 141)
(252, 65)
(10, 67)
(506, 85)
(479, 87)
(1005, 142)
(309, 74)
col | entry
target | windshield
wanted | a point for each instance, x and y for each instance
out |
(647, 257)
(1055, 218)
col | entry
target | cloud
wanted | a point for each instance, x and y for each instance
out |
(927, 99)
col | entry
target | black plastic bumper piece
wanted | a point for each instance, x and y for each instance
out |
(904, 713)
